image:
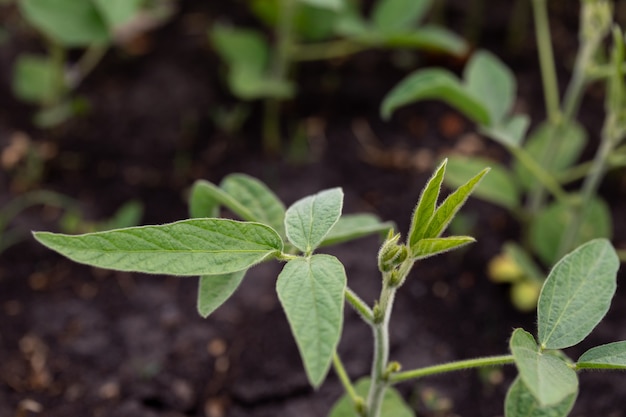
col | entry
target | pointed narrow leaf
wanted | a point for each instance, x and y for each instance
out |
(547, 377)
(311, 291)
(520, 402)
(389, 16)
(188, 247)
(577, 294)
(451, 205)
(426, 204)
(436, 84)
(493, 82)
(393, 404)
(258, 199)
(354, 226)
(609, 356)
(498, 187)
(428, 38)
(214, 290)
(426, 248)
(308, 221)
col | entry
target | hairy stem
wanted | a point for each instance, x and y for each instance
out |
(450, 367)
(359, 305)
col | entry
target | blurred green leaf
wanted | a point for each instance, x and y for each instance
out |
(70, 22)
(354, 226)
(326, 4)
(550, 224)
(37, 79)
(487, 78)
(498, 187)
(572, 140)
(577, 294)
(118, 12)
(397, 16)
(437, 84)
(393, 404)
(427, 38)
(509, 132)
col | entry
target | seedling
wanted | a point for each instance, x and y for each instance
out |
(308, 30)
(544, 160)
(312, 287)
(92, 26)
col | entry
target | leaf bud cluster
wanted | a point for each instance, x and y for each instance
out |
(392, 254)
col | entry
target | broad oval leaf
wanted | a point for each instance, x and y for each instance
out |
(71, 22)
(37, 79)
(393, 16)
(493, 82)
(311, 291)
(609, 356)
(577, 294)
(308, 221)
(214, 290)
(393, 404)
(426, 248)
(547, 377)
(186, 248)
(435, 84)
(263, 205)
(520, 402)
(550, 225)
(498, 187)
(353, 226)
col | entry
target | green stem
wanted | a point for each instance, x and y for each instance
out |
(544, 177)
(360, 306)
(450, 367)
(327, 50)
(340, 370)
(279, 70)
(87, 63)
(546, 60)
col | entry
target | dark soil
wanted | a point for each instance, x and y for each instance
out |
(77, 341)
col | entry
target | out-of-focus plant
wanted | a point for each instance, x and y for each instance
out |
(546, 159)
(309, 30)
(92, 27)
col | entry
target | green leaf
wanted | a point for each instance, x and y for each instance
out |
(393, 16)
(547, 377)
(214, 290)
(571, 141)
(393, 404)
(577, 294)
(70, 22)
(609, 356)
(451, 205)
(310, 23)
(188, 247)
(498, 187)
(118, 12)
(202, 200)
(520, 402)
(308, 221)
(311, 291)
(550, 224)
(493, 82)
(427, 38)
(354, 226)
(426, 248)
(325, 4)
(37, 79)
(263, 205)
(508, 132)
(435, 84)
(426, 204)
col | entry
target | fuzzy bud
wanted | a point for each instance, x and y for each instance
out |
(596, 19)
(391, 254)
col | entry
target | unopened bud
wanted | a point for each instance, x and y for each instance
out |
(596, 19)
(391, 254)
